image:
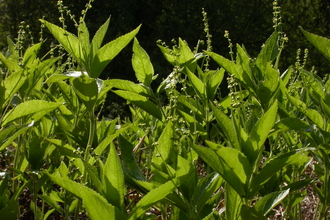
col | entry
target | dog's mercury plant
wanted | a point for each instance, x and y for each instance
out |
(186, 152)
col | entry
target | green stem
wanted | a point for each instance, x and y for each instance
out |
(92, 128)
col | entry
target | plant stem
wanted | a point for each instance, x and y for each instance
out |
(92, 128)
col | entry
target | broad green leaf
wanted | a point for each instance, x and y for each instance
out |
(268, 86)
(230, 66)
(8, 135)
(291, 124)
(168, 54)
(269, 201)
(312, 114)
(213, 83)
(142, 66)
(128, 158)
(285, 77)
(11, 63)
(186, 56)
(69, 41)
(87, 90)
(269, 51)
(152, 197)
(12, 84)
(98, 37)
(113, 179)
(229, 172)
(250, 213)
(29, 108)
(236, 160)
(205, 189)
(198, 85)
(108, 140)
(142, 102)
(233, 203)
(227, 127)
(128, 86)
(97, 206)
(274, 165)
(164, 151)
(11, 48)
(322, 44)
(64, 148)
(259, 134)
(83, 36)
(245, 74)
(106, 53)
(31, 54)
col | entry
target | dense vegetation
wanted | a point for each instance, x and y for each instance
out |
(188, 150)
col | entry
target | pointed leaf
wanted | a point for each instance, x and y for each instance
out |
(227, 127)
(163, 152)
(269, 201)
(97, 206)
(142, 66)
(274, 165)
(312, 114)
(214, 82)
(322, 44)
(226, 170)
(98, 37)
(198, 85)
(106, 53)
(151, 198)
(259, 133)
(113, 180)
(142, 102)
(29, 108)
(69, 41)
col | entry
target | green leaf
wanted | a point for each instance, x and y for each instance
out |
(98, 37)
(250, 213)
(168, 54)
(28, 108)
(164, 151)
(233, 203)
(69, 41)
(106, 53)
(152, 197)
(198, 85)
(230, 66)
(12, 84)
(213, 83)
(229, 166)
(83, 36)
(274, 165)
(97, 206)
(269, 51)
(205, 189)
(142, 102)
(312, 114)
(8, 135)
(31, 54)
(322, 44)
(128, 158)
(113, 179)
(227, 127)
(142, 66)
(268, 202)
(291, 124)
(186, 56)
(87, 90)
(128, 86)
(259, 134)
